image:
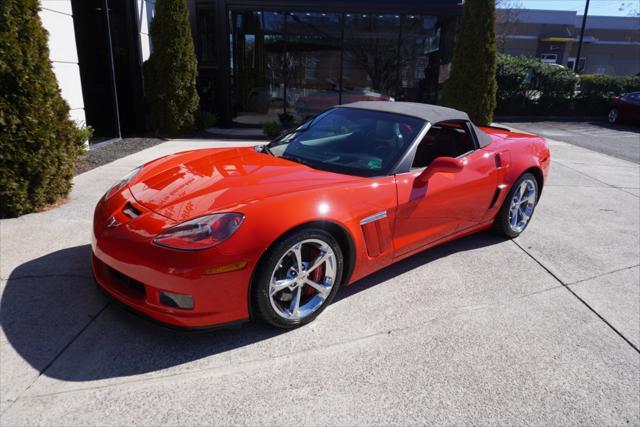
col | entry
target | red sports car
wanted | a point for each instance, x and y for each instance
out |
(218, 236)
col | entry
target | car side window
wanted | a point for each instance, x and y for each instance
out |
(444, 139)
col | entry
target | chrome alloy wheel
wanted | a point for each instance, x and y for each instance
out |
(302, 279)
(613, 115)
(522, 204)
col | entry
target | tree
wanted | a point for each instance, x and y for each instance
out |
(171, 70)
(38, 146)
(508, 17)
(472, 84)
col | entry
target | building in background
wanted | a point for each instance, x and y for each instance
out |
(611, 44)
(259, 59)
(97, 59)
(256, 59)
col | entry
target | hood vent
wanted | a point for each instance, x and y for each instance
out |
(131, 211)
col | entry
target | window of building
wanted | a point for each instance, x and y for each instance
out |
(206, 35)
(313, 60)
(419, 59)
(371, 43)
(258, 67)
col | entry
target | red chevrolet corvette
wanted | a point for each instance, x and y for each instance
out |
(218, 236)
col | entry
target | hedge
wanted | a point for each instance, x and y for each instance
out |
(39, 144)
(596, 89)
(527, 86)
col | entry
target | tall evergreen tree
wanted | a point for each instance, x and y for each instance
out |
(170, 72)
(472, 84)
(38, 145)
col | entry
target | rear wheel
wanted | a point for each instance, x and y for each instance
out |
(298, 279)
(518, 207)
(614, 115)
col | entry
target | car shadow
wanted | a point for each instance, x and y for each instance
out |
(51, 301)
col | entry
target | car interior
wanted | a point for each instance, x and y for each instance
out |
(444, 139)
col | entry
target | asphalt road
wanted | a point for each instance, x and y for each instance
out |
(542, 330)
(621, 141)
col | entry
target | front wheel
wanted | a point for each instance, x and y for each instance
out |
(614, 116)
(518, 207)
(298, 279)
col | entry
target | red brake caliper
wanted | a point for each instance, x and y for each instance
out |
(316, 275)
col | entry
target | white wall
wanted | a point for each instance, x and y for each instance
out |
(57, 19)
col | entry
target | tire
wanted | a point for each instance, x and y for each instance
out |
(279, 284)
(614, 116)
(505, 224)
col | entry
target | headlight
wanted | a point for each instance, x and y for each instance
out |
(200, 233)
(122, 182)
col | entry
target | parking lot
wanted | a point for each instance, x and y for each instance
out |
(544, 329)
(621, 141)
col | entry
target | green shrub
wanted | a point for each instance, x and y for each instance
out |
(38, 141)
(596, 89)
(82, 135)
(527, 86)
(171, 70)
(472, 84)
(514, 75)
(272, 129)
(556, 87)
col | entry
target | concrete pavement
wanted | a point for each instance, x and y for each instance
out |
(544, 329)
(619, 140)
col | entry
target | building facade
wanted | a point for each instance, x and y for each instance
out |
(611, 44)
(260, 59)
(256, 59)
(97, 59)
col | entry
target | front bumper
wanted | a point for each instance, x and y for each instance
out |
(128, 267)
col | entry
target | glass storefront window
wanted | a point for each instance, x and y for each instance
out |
(206, 47)
(302, 63)
(258, 69)
(313, 58)
(370, 68)
(419, 59)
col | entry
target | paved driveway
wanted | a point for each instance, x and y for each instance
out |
(544, 329)
(621, 141)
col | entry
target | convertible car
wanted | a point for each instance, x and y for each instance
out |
(219, 236)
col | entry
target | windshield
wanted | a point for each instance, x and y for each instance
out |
(350, 141)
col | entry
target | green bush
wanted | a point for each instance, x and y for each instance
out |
(514, 75)
(38, 141)
(272, 129)
(171, 70)
(82, 134)
(472, 84)
(596, 89)
(556, 87)
(527, 86)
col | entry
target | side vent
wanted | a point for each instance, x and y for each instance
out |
(496, 195)
(495, 198)
(498, 160)
(377, 233)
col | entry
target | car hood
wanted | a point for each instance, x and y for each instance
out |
(194, 183)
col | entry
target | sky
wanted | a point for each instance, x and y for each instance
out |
(596, 7)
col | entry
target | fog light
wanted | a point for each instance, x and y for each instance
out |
(176, 300)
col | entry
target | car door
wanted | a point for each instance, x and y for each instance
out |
(447, 203)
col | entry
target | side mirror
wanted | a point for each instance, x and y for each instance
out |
(440, 165)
